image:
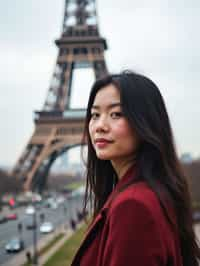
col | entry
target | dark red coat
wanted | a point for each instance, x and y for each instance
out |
(131, 231)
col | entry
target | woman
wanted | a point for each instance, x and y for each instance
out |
(140, 198)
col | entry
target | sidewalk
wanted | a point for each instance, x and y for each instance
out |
(58, 245)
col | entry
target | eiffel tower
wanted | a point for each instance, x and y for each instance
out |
(57, 126)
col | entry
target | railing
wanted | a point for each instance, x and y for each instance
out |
(70, 113)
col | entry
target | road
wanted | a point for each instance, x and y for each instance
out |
(57, 216)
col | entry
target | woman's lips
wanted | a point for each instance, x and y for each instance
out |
(101, 143)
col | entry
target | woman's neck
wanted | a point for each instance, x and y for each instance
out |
(122, 167)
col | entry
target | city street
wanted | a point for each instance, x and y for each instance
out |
(61, 215)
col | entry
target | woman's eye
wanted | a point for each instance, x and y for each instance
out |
(94, 115)
(116, 114)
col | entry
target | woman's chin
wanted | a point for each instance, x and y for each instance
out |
(102, 156)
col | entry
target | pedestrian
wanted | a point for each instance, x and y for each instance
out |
(79, 216)
(28, 257)
(141, 203)
(73, 224)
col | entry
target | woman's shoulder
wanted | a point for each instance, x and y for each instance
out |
(139, 191)
(137, 196)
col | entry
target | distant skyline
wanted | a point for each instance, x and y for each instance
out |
(158, 38)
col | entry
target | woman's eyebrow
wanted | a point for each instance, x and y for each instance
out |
(112, 105)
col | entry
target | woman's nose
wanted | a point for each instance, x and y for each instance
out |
(102, 124)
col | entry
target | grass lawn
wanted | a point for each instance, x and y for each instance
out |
(64, 256)
(50, 244)
(75, 185)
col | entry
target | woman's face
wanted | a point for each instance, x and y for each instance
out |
(111, 135)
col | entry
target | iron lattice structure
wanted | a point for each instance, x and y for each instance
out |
(57, 126)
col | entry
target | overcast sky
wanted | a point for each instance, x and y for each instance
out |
(158, 38)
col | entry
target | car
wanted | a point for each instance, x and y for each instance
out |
(3, 219)
(46, 227)
(14, 245)
(46, 204)
(30, 225)
(11, 216)
(30, 210)
(54, 205)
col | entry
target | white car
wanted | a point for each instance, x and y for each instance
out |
(30, 210)
(14, 245)
(46, 227)
(54, 205)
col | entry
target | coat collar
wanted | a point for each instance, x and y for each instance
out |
(129, 176)
(100, 218)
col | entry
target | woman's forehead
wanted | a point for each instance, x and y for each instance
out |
(108, 95)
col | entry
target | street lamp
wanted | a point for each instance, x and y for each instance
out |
(42, 218)
(35, 255)
(20, 232)
(65, 215)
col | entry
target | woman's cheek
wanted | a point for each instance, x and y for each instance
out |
(90, 128)
(92, 132)
(122, 129)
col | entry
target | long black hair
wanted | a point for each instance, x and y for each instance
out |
(157, 161)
